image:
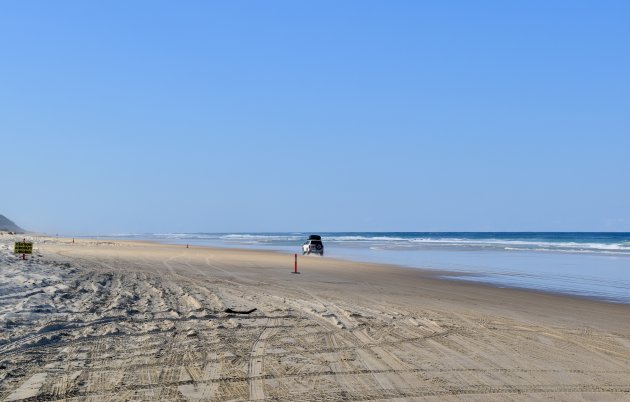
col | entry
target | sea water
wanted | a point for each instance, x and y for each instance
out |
(595, 265)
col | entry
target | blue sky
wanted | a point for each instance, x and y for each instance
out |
(163, 116)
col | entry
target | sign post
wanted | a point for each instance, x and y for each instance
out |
(23, 248)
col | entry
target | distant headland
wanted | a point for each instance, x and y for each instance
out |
(8, 225)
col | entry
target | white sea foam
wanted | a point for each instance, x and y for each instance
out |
(397, 242)
(262, 238)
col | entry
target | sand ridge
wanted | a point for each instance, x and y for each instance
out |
(116, 320)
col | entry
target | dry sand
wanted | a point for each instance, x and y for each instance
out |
(139, 321)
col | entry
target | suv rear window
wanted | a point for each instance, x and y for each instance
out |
(316, 242)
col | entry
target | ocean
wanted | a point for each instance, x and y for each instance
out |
(594, 265)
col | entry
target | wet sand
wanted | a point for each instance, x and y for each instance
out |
(113, 320)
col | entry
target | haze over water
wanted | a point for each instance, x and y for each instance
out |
(595, 265)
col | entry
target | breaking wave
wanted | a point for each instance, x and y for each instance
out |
(593, 243)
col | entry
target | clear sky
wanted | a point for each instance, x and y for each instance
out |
(161, 116)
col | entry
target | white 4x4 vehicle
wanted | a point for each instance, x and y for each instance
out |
(313, 245)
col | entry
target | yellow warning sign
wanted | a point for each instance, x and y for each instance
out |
(23, 248)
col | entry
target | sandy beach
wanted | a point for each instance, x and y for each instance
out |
(113, 320)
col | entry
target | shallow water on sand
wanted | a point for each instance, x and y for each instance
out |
(598, 276)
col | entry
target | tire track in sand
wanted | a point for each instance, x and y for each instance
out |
(256, 366)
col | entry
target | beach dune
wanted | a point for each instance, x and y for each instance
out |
(112, 320)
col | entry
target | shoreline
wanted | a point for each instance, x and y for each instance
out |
(435, 273)
(429, 273)
(425, 274)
